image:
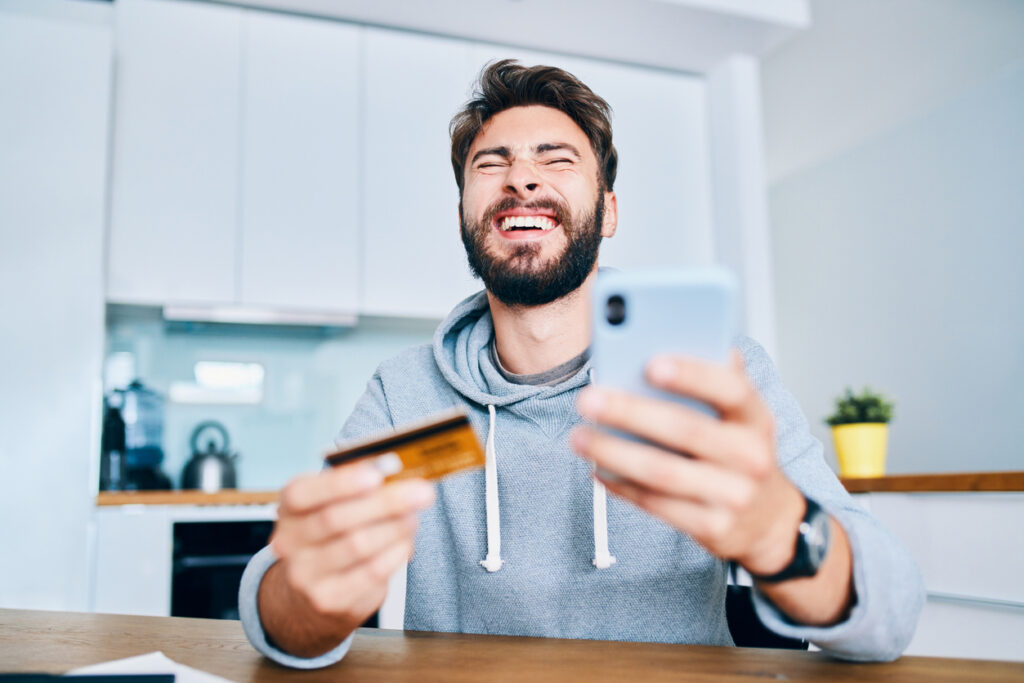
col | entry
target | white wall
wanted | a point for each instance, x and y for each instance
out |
(54, 101)
(898, 265)
(867, 65)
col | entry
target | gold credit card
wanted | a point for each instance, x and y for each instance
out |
(431, 448)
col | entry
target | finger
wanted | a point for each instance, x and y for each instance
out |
(393, 500)
(664, 472)
(706, 524)
(311, 491)
(345, 552)
(679, 428)
(724, 387)
(343, 592)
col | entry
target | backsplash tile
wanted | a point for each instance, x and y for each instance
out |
(313, 377)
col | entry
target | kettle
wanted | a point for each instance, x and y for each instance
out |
(213, 469)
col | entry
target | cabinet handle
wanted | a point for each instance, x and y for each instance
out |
(212, 561)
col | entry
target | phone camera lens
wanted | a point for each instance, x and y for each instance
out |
(615, 310)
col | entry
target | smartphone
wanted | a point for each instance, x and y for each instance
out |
(641, 313)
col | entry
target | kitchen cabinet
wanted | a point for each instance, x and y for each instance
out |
(970, 552)
(174, 202)
(236, 172)
(300, 201)
(132, 567)
(291, 164)
(413, 260)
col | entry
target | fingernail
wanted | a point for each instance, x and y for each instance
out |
(590, 403)
(661, 370)
(607, 476)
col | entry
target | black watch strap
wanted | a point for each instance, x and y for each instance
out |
(812, 542)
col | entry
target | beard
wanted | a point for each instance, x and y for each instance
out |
(521, 278)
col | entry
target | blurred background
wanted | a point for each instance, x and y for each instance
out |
(217, 218)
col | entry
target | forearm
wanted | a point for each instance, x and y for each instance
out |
(825, 598)
(292, 623)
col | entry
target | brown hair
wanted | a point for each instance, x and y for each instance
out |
(506, 84)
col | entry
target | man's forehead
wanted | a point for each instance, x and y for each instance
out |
(530, 128)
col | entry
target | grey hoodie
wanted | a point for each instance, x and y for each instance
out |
(550, 557)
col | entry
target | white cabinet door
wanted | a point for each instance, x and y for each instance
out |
(970, 551)
(300, 164)
(174, 213)
(413, 260)
(134, 549)
(659, 128)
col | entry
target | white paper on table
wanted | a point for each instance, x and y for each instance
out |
(152, 663)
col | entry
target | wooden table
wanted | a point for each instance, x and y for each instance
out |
(55, 642)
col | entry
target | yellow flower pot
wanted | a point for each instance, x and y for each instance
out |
(860, 448)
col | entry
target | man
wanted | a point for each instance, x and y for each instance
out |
(525, 549)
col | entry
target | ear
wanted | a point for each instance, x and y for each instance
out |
(459, 223)
(611, 215)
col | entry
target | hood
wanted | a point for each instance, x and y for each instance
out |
(461, 350)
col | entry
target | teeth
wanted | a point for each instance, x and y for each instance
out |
(542, 222)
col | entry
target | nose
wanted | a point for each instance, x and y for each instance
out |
(522, 179)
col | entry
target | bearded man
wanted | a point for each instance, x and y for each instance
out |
(526, 548)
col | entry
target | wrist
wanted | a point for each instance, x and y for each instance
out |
(290, 621)
(775, 547)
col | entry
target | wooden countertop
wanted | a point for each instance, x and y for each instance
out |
(229, 497)
(936, 483)
(56, 642)
(908, 483)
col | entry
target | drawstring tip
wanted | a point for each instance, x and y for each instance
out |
(491, 563)
(604, 561)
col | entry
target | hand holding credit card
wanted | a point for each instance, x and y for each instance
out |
(432, 448)
(343, 531)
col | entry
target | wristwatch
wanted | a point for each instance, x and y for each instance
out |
(811, 546)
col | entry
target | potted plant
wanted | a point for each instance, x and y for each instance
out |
(860, 429)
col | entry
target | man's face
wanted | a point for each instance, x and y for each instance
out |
(532, 212)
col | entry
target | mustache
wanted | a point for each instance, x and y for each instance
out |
(560, 210)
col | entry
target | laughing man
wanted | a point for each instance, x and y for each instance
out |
(534, 548)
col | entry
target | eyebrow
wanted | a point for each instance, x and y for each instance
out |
(503, 152)
(555, 146)
(506, 153)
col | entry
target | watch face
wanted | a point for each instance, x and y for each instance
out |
(815, 535)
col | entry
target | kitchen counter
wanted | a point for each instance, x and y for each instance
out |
(227, 497)
(902, 483)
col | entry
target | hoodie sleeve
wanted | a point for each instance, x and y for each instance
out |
(370, 415)
(888, 585)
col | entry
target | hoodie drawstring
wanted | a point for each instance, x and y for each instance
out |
(493, 561)
(602, 558)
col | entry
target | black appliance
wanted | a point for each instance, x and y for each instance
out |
(208, 561)
(132, 442)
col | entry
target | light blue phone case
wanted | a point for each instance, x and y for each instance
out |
(685, 311)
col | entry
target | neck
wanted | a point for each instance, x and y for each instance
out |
(532, 339)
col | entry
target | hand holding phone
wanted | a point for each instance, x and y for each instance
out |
(678, 425)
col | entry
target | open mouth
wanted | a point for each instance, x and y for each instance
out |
(521, 221)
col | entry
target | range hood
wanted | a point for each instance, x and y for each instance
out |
(258, 315)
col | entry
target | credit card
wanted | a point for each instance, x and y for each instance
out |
(431, 448)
